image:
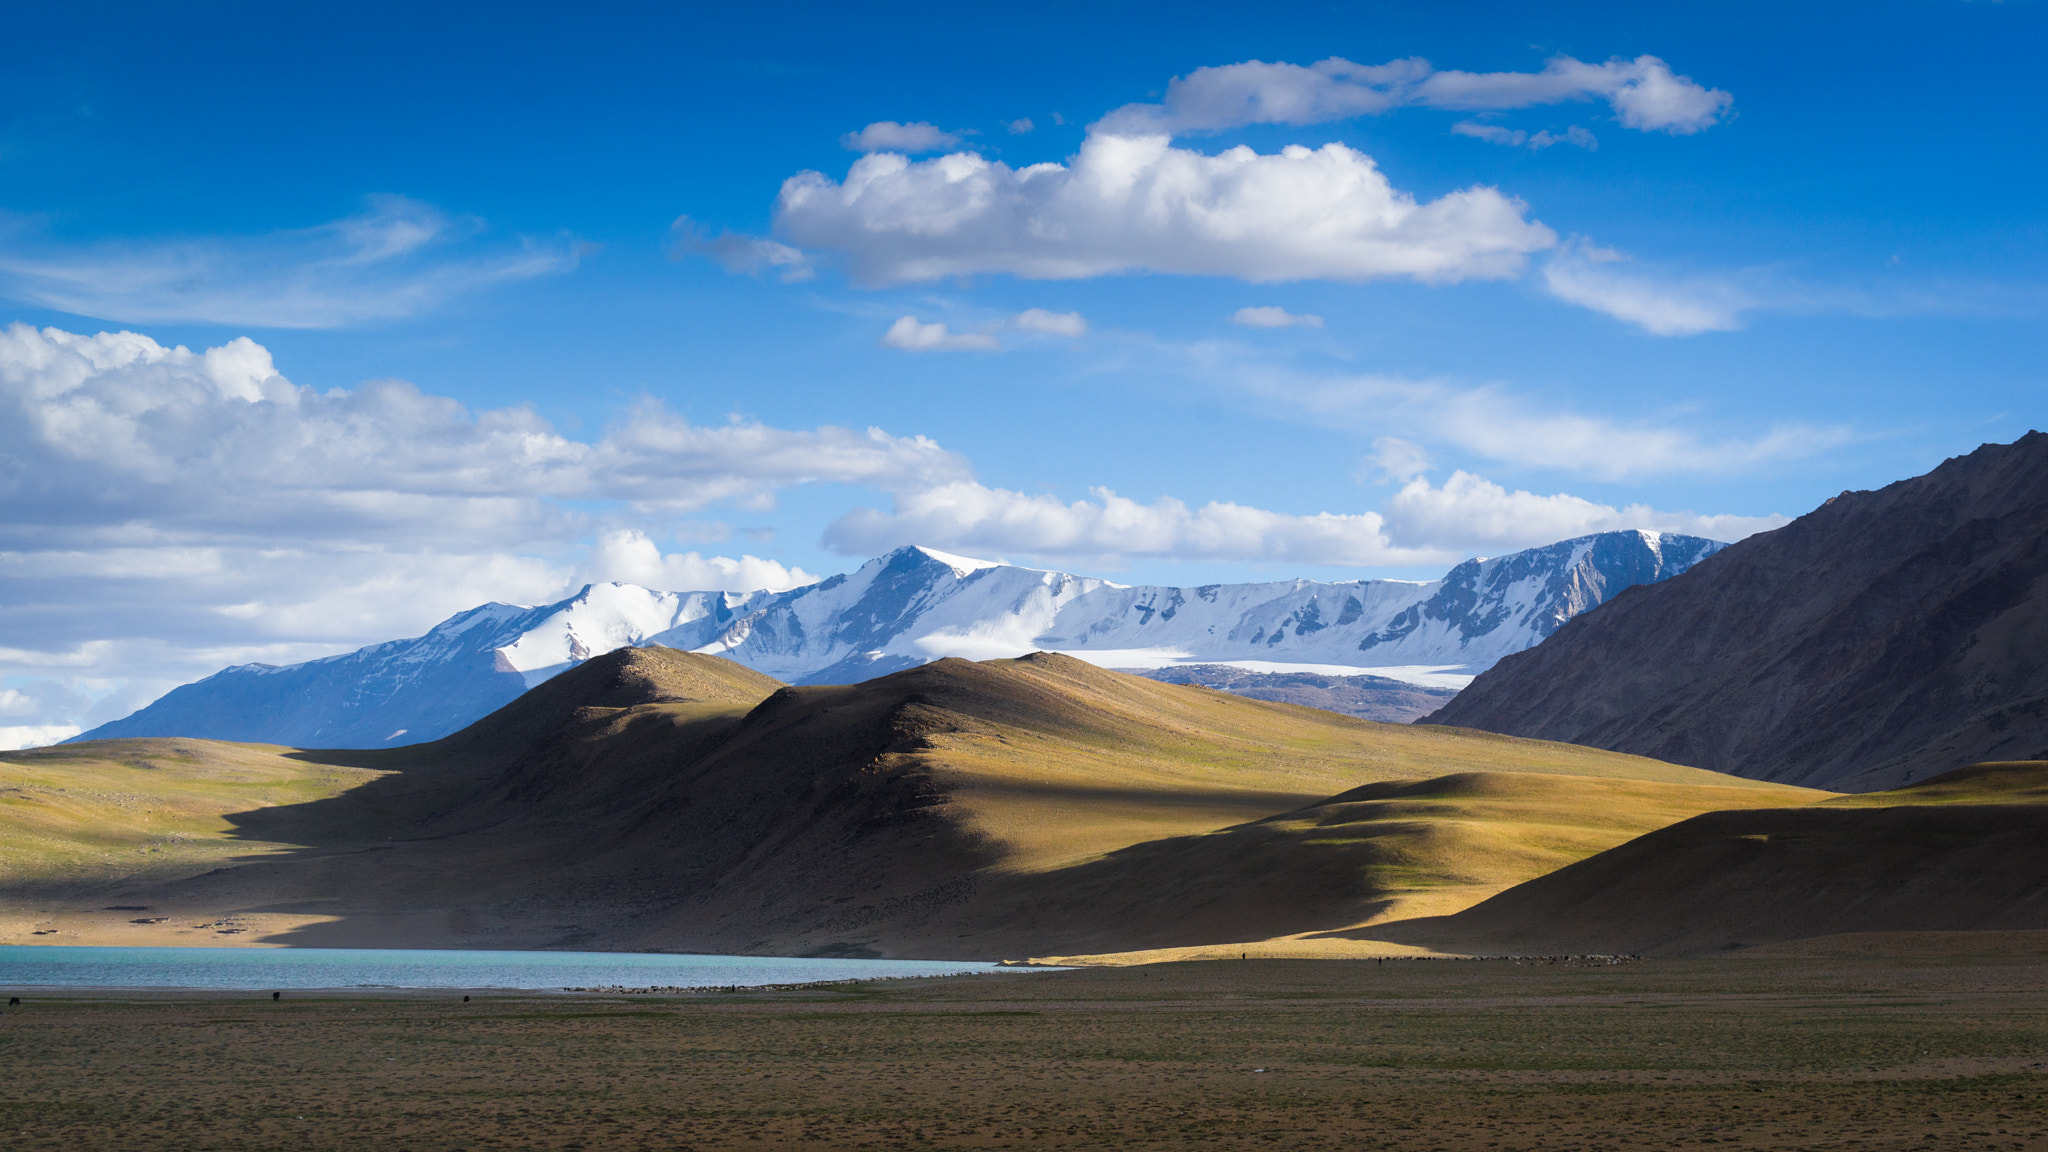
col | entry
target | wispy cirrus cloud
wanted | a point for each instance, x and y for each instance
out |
(909, 334)
(1268, 316)
(1575, 135)
(400, 258)
(1644, 93)
(1606, 281)
(1499, 423)
(738, 252)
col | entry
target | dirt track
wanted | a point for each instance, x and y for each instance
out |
(1789, 1052)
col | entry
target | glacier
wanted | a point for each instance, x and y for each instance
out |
(912, 606)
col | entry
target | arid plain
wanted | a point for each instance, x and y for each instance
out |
(1922, 1042)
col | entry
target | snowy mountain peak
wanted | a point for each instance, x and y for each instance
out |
(915, 605)
(961, 565)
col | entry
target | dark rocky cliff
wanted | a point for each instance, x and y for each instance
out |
(1882, 638)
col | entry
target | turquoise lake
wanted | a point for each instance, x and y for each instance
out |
(265, 969)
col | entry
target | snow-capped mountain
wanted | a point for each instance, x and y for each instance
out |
(915, 605)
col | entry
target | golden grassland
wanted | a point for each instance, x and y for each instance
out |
(1007, 808)
(1925, 1043)
(1037, 807)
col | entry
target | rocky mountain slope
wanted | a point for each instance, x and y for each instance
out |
(1885, 637)
(1367, 697)
(910, 607)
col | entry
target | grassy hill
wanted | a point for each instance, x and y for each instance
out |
(1958, 852)
(659, 799)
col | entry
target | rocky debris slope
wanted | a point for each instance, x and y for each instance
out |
(1884, 637)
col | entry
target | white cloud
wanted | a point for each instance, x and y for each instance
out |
(165, 512)
(1644, 93)
(1516, 138)
(1271, 317)
(1420, 524)
(1110, 528)
(1020, 126)
(1395, 459)
(630, 556)
(910, 335)
(1137, 204)
(1497, 423)
(736, 252)
(36, 735)
(398, 259)
(1603, 281)
(889, 136)
(1471, 512)
(1050, 323)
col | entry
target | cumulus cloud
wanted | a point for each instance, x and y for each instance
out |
(1270, 317)
(165, 512)
(1138, 204)
(1420, 524)
(737, 252)
(399, 258)
(1644, 94)
(1109, 528)
(1516, 138)
(630, 556)
(35, 735)
(909, 334)
(1471, 512)
(1020, 126)
(889, 136)
(1605, 282)
(1050, 323)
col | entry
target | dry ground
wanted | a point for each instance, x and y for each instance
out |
(1835, 1046)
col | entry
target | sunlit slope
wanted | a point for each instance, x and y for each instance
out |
(968, 809)
(79, 815)
(658, 799)
(1382, 852)
(1056, 760)
(194, 830)
(1962, 851)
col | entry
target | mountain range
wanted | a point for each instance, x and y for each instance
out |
(1883, 638)
(913, 606)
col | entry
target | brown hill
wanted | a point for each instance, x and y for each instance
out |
(1884, 637)
(656, 799)
(1383, 852)
(1961, 852)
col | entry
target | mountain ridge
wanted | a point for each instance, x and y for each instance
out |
(1883, 637)
(910, 607)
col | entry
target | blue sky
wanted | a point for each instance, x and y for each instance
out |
(1679, 266)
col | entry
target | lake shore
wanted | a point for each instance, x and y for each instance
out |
(1908, 1042)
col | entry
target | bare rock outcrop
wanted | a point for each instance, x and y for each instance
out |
(1882, 638)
